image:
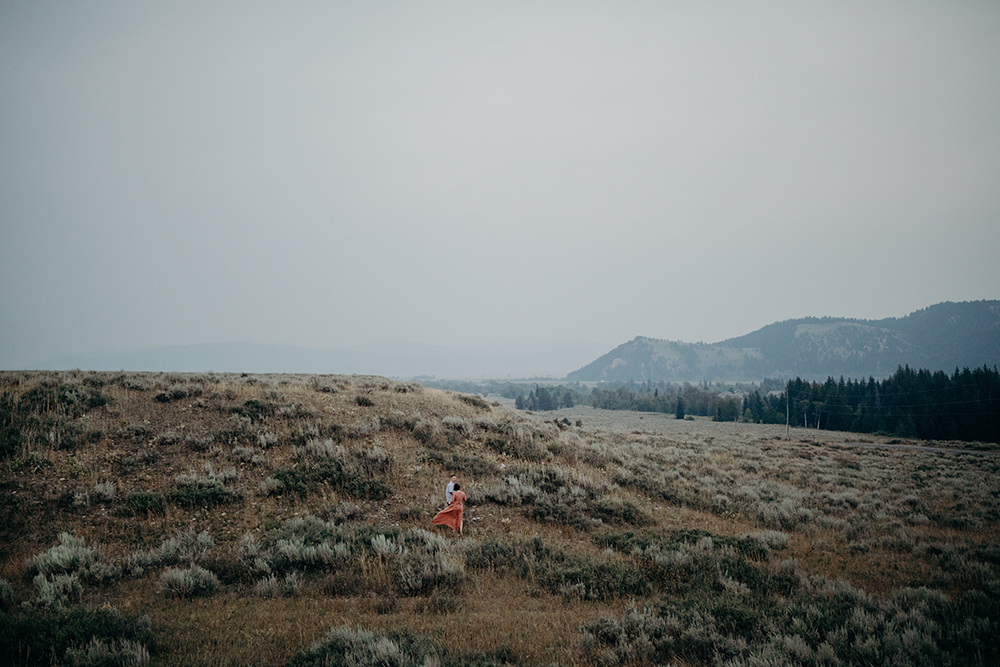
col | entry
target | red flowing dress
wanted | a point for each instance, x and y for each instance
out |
(452, 514)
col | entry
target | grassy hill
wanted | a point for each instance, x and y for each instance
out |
(231, 519)
(942, 337)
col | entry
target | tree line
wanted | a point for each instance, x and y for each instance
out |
(911, 403)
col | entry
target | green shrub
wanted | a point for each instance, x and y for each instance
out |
(585, 578)
(399, 421)
(41, 637)
(344, 512)
(71, 555)
(71, 399)
(60, 572)
(474, 401)
(207, 490)
(187, 546)
(272, 485)
(256, 410)
(46, 411)
(210, 478)
(428, 433)
(100, 653)
(193, 581)
(349, 476)
(299, 544)
(417, 562)
(196, 496)
(412, 513)
(591, 579)
(637, 637)
(316, 448)
(319, 431)
(616, 511)
(344, 647)
(462, 462)
(296, 553)
(12, 427)
(57, 590)
(423, 571)
(518, 444)
(106, 490)
(730, 615)
(490, 555)
(272, 586)
(145, 502)
(551, 494)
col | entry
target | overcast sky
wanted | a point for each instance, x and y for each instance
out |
(327, 174)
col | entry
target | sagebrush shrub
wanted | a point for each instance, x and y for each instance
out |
(193, 581)
(271, 486)
(429, 434)
(319, 449)
(106, 490)
(71, 555)
(49, 637)
(459, 424)
(460, 461)
(551, 494)
(347, 475)
(490, 555)
(186, 547)
(102, 653)
(272, 586)
(520, 441)
(474, 401)
(57, 590)
(361, 648)
(344, 512)
(204, 490)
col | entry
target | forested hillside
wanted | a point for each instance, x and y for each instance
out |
(944, 337)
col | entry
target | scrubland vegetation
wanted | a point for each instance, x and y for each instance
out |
(226, 519)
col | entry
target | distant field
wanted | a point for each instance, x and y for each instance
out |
(625, 421)
(230, 519)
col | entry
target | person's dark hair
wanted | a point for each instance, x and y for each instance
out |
(458, 487)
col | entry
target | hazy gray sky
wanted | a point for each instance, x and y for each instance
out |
(326, 174)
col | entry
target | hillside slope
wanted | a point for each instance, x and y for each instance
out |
(234, 519)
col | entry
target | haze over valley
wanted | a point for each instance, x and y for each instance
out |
(946, 337)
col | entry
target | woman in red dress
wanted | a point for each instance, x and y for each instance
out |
(452, 514)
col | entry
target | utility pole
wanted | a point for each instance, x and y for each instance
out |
(788, 412)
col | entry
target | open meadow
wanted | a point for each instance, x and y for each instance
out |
(227, 519)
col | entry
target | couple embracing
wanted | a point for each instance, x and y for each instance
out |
(452, 514)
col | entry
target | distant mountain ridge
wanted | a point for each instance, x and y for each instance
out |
(944, 337)
(396, 360)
